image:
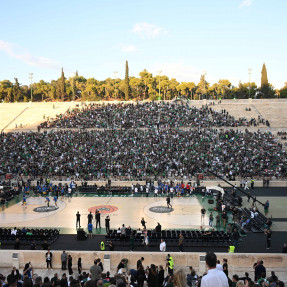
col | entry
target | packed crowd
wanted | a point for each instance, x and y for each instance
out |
(165, 275)
(138, 154)
(147, 115)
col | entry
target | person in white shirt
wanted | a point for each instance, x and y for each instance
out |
(214, 277)
(155, 192)
(14, 231)
(162, 246)
(219, 266)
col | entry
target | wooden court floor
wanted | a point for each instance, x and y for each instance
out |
(122, 210)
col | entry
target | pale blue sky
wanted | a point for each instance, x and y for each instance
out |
(181, 38)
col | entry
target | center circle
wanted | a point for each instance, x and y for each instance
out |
(103, 208)
(160, 209)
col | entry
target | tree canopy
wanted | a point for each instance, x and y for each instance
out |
(145, 86)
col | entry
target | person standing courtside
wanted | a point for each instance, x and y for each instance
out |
(90, 217)
(168, 202)
(98, 219)
(78, 216)
(107, 223)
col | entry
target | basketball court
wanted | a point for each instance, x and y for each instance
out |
(185, 212)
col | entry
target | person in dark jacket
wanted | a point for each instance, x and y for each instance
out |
(98, 219)
(70, 264)
(140, 276)
(160, 277)
(152, 279)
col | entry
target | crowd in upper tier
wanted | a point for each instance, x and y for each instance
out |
(136, 154)
(147, 115)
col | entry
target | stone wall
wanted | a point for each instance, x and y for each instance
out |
(238, 262)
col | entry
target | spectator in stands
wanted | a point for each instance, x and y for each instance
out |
(258, 269)
(63, 281)
(33, 245)
(235, 237)
(17, 244)
(268, 234)
(15, 272)
(140, 262)
(140, 274)
(284, 250)
(111, 246)
(152, 279)
(179, 278)
(266, 207)
(217, 147)
(192, 278)
(95, 270)
(28, 270)
(55, 279)
(121, 265)
(14, 231)
(162, 246)
(12, 282)
(214, 277)
(123, 230)
(235, 279)
(219, 266)
(45, 245)
(160, 276)
(180, 242)
(246, 277)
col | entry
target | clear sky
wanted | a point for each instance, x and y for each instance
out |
(182, 38)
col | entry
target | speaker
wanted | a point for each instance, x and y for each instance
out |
(81, 234)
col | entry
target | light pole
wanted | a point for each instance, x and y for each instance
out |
(31, 77)
(159, 73)
(249, 72)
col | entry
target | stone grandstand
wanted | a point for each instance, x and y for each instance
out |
(23, 117)
(27, 116)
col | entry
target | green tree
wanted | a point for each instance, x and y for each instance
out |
(223, 88)
(63, 86)
(127, 83)
(202, 87)
(283, 91)
(16, 90)
(264, 79)
(147, 79)
(6, 88)
(242, 92)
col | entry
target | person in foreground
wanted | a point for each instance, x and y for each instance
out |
(214, 277)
